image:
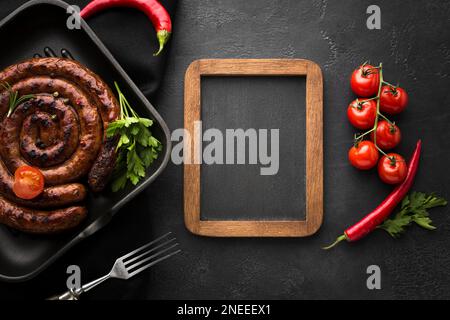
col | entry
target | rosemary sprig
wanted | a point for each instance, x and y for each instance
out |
(14, 99)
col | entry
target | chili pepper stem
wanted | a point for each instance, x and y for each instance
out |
(154, 10)
(339, 239)
(163, 36)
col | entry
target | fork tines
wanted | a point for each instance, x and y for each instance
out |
(150, 254)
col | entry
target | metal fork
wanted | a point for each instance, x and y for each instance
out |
(130, 264)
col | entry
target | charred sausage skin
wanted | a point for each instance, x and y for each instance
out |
(62, 131)
(65, 75)
(19, 149)
(40, 222)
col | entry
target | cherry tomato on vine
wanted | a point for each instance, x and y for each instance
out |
(388, 135)
(392, 169)
(28, 182)
(365, 81)
(363, 155)
(393, 100)
(362, 113)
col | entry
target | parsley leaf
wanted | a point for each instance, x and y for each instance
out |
(413, 210)
(120, 181)
(137, 148)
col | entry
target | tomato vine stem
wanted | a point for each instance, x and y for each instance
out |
(389, 84)
(374, 98)
(375, 126)
(379, 114)
(364, 134)
(386, 118)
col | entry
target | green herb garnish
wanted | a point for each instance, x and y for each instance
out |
(137, 148)
(413, 209)
(14, 99)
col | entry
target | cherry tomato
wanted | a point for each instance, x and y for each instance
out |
(388, 135)
(365, 81)
(28, 182)
(393, 100)
(362, 114)
(392, 169)
(364, 155)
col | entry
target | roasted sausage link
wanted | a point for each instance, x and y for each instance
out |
(40, 222)
(82, 148)
(61, 131)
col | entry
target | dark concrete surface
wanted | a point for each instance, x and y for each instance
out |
(414, 47)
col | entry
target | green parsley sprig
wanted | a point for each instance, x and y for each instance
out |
(137, 148)
(14, 99)
(413, 209)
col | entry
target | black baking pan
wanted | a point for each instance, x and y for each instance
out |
(25, 32)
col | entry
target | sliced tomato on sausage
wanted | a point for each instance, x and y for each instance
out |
(28, 182)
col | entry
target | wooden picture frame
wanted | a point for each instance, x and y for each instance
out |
(314, 147)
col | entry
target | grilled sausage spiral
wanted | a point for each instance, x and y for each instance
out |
(61, 131)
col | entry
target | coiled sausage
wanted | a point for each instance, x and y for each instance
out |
(61, 131)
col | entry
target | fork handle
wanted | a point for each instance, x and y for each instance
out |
(74, 294)
(93, 284)
(68, 295)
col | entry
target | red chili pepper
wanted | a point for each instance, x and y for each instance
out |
(376, 217)
(152, 8)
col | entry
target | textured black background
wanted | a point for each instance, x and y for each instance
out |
(414, 46)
